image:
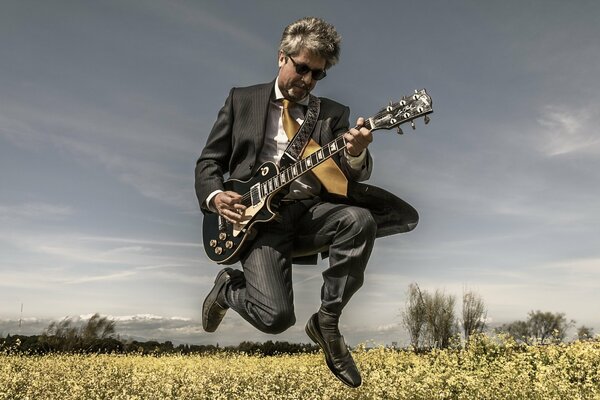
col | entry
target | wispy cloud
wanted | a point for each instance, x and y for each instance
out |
(211, 22)
(35, 211)
(85, 259)
(138, 241)
(568, 130)
(98, 278)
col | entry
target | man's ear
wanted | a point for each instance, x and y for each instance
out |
(281, 59)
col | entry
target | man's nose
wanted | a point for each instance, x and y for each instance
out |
(307, 78)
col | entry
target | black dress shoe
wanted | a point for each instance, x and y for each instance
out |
(215, 307)
(337, 356)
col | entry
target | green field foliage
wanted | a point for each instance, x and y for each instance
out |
(485, 369)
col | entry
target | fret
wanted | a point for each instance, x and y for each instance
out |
(282, 178)
(308, 161)
(294, 171)
(270, 185)
(265, 188)
(332, 147)
(319, 154)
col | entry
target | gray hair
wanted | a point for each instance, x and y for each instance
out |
(315, 35)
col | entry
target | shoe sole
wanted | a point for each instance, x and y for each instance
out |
(212, 298)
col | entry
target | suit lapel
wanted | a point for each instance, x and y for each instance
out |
(260, 112)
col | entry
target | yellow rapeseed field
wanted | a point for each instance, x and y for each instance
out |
(483, 370)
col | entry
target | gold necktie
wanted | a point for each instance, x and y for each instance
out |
(328, 173)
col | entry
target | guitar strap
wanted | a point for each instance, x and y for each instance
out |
(301, 138)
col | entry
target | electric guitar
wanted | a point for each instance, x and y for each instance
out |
(224, 241)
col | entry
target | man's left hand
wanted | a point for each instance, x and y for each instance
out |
(358, 139)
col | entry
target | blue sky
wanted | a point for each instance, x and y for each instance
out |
(105, 107)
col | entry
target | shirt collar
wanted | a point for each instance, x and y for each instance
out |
(279, 95)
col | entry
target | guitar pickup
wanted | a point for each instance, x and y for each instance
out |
(255, 196)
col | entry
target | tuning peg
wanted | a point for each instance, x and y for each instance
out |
(426, 119)
(412, 123)
(400, 131)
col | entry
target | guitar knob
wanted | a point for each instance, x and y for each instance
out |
(218, 250)
(228, 244)
(213, 243)
(222, 236)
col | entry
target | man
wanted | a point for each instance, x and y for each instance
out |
(252, 128)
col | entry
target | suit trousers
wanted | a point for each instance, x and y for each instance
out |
(347, 233)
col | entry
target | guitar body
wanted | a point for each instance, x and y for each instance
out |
(224, 241)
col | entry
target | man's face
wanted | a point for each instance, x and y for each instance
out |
(295, 87)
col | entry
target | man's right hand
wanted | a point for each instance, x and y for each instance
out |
(229, 206)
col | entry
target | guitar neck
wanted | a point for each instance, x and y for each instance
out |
(393, 115)
(263, 189)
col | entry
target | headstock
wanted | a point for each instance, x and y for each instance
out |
(407, 109)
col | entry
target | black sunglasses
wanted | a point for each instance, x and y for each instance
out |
(303, 69)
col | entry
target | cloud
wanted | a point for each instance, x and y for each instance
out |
(567, 130)
(35, 211)
(79, 259)
(112, 239)
(100, 278)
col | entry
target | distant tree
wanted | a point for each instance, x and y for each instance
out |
(65, 336)
(97, 327)
(548, 327)
(474, 314)
(441, 319)
(518, 330)
(543, 327)
(585, 333)
(414, 315)
(61, 336)
(429, 318)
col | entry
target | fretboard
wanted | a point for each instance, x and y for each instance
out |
(261, 190)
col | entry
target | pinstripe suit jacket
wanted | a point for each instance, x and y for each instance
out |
(236, 139)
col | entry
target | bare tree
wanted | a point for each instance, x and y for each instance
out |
(65, 336)
(429, 319)
(97, 327)
(441, 320)
(413, 316)
(474, 314)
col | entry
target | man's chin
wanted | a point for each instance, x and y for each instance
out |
(297, 94)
